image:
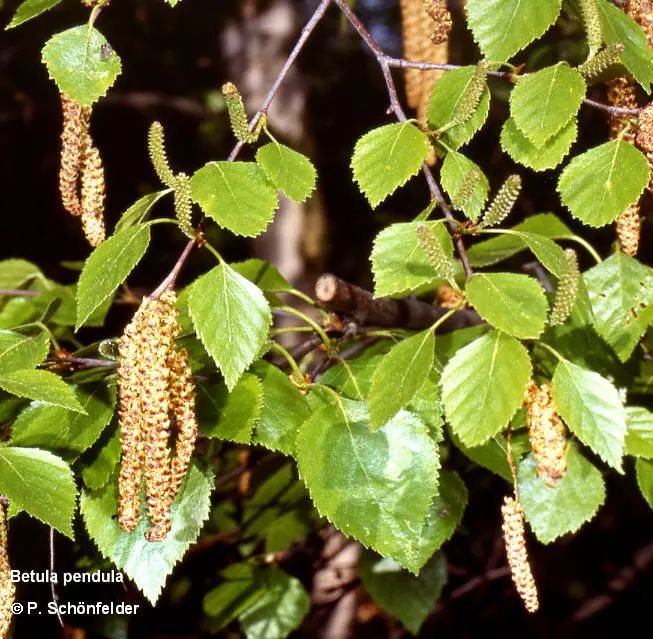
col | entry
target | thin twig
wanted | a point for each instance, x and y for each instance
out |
(53, 587)
(82, 362)
(308, 29)
(395, 107)
(17, 292)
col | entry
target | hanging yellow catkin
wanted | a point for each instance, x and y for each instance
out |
(418, 29)
(7, 587)
(76, 120)
(622, 93)
(513, 535)
(182, 408)
(546, 433)
(92, 201)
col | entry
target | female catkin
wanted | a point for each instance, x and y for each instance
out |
(567, 290)
(515, 542)
(435, 254)
(503, 202)
(546, 433)
(7, 587)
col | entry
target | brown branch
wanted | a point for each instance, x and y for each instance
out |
(347, 299)
(395, 107)
(18, 292)
(626, 577)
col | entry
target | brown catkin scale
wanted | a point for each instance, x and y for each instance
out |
(417, 30)
(92, 202)
(546, 433)
(642, 12)
(622, 93)
(447, 297)
(438, 12)
(76, 120)
(7, 587)
(182, 408)
(513, 535)
(629, 229)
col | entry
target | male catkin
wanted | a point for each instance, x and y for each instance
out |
(438, 11)
(76, 121)
(7, 587)
(92, 201)
(417, 28)
(546, 433)
(513, 536)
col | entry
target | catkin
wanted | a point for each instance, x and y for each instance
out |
(76, 121)
(592, 20)
(417, 31)
(436, 255)
(629, 230)
(466, 190)
(603, 60)
(438, 11)
(447, 297)
(92, 201)
(503, 202)
(513, 535)
(7, 587)
(567, 290)
(155, 384)
(546, 433)
(642, 12)
(182, 407)
(158, 156)
(184, 203)
(472, 95)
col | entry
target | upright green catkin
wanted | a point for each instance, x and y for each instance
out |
(438, 259)
(157, 148)
(592, 20)
(503, 202)
(472, 95)
(466, 190)
(603, 60)
(238, 115)
(567, 290)
(184, 203)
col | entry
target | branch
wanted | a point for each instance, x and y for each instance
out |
(17, 292)
(169, 280)
(395, 107)
(410, 313)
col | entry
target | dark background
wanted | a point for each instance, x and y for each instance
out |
(174, 55)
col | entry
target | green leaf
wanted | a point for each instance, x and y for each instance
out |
(617, 27)
(39, 483)
(288, 170)
(265, 275)
(399, 263)
(442, 519)
(15, 273)
(644, 470)
(621, 293)
(406, 597)
(107, 267)
(268, 603)
(60, 430)
(236, 195)
(283, 412)
(543, 102)
(81, 63)
(598, 185)
(483, 385)
(404, 370)
(104, 460)
(385, 158)
(548, 156)
(553, 512)
(590, 405)
(513, 303)
(230, 415)
(455, 168)
(448, 93)
(639, 437)
(504, 246)
(148, 564)
(231, 317)
(504, 27)
(374, 486)
(19, 351)
(42, 386)
(30, 9)
(139, 211)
